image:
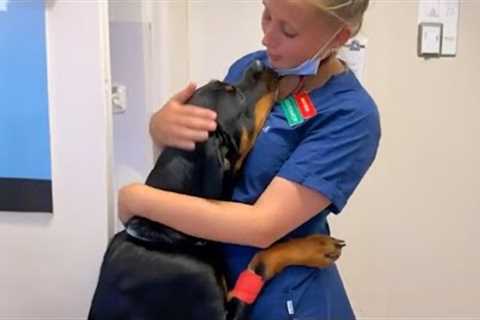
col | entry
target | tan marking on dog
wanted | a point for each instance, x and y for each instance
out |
(317, 251)
(247, 139)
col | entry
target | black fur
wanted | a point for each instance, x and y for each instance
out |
(151, 271)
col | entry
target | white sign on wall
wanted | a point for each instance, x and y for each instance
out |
(444, 12)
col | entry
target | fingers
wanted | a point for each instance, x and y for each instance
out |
(197, 118)
(193, 135)
(187, 145)
(200, 112)
(179, 129)
(186, 138)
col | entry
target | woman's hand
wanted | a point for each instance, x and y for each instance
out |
(182, 125)
(130, 200)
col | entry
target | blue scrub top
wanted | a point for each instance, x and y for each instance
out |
(329, 153)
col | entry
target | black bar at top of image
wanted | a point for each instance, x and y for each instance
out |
(27, 195)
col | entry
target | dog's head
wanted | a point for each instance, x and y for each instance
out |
(242, 109)
(241, 112)
(209, 171)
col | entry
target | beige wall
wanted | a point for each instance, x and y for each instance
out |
(410, 227)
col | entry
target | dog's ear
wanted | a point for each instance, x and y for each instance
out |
(214, 169)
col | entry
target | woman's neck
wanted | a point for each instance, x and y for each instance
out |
(327, 69)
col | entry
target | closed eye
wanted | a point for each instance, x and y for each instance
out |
(217, 84)
(241, 96)
(230, 88)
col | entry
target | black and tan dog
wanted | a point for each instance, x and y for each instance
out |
(151, 271)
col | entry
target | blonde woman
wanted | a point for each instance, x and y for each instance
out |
(317, 144)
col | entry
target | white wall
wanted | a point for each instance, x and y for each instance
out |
(50, 263)
(214, 46)
(411, 225)
(170, 50)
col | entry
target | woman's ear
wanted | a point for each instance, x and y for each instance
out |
(342, 37)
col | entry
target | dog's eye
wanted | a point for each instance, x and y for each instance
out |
(241, 96)
(255, 75)
(230, 88)
(216, 84)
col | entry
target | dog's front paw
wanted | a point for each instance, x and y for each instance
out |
(322, 250)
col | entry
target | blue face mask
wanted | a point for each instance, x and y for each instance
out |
(308, 67)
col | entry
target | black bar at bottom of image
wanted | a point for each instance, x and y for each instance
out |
(27, 195)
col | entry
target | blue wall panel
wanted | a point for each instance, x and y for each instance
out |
(24, 122)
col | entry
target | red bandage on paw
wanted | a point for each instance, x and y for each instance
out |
(248, 286)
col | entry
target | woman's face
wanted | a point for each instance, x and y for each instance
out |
(294, 30)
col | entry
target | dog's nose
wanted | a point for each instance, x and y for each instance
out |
(258, 66)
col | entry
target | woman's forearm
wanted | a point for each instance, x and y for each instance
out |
(282, 207)
(221, 221)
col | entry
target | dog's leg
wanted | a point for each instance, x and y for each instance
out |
(317, 251)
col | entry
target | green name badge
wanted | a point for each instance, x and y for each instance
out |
(291, 111)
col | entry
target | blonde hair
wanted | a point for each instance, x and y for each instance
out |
(349, 11)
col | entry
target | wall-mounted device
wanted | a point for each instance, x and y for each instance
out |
(119, 98)
(430, 37)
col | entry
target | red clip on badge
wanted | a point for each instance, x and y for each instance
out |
(305, 104)
(248, 286)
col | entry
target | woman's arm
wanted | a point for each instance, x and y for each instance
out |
(282, 207)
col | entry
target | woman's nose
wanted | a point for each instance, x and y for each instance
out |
(269, 39)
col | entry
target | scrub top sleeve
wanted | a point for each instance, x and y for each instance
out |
(235, 72)
(334, 154)
(233, 75)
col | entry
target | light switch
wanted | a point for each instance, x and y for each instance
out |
(119, 98)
